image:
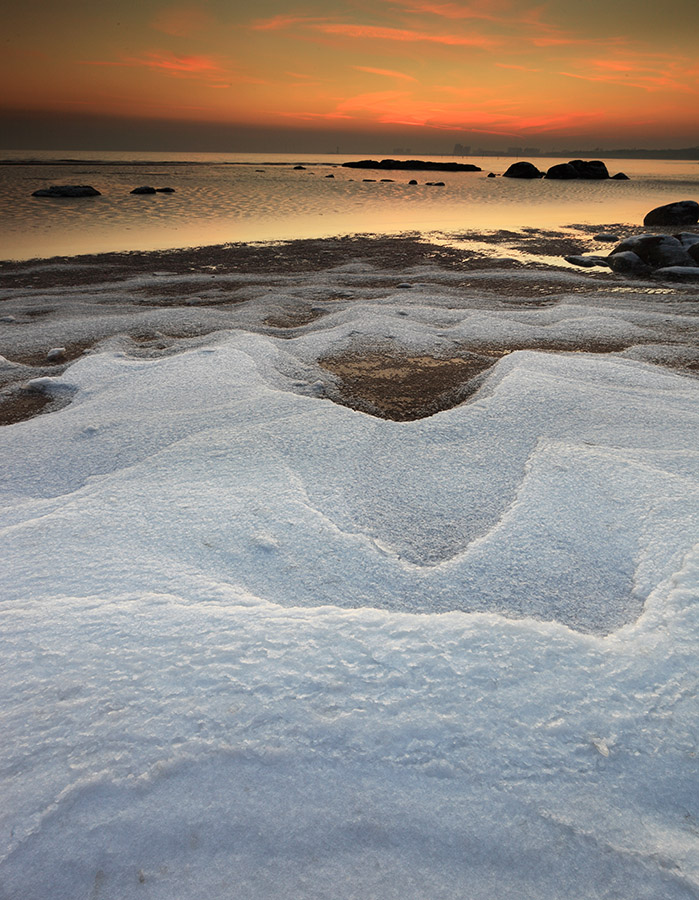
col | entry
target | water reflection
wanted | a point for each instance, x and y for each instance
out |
(215, 203)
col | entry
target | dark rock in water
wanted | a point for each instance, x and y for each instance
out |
(655, 250)
(329, 176)
(620, 176)
(606, 237)
(412, 181)
(683, 212)
(299, 168)
(593, 169)
(368, 179)
(628, 263)
(693, 251)
(523, 169)
(165, 190)
(412, 165)
(491, 174)
(562, 172)
(435, 184)
(67, 190)
(587, 262)
(386, 181)
(146, 189)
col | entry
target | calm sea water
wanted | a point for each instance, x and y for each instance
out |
(222, 198)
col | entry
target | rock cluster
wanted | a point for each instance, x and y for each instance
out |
(412, 165)
(587, 170)
(661, 255)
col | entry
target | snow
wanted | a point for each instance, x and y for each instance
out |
(259, 644)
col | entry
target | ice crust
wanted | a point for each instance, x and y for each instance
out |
(259, 644)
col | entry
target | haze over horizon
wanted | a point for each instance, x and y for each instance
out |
(300, 76)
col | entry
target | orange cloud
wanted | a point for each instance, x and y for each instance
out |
(375, 32)
(650, 74)
(389, 73)
(282, 22)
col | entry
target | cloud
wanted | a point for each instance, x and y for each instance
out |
(646, 72)
(283, 22)
(389, 73)
(404, 35)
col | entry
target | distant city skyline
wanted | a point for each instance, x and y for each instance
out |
(353, 77)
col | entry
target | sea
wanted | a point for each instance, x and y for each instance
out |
(221, 198)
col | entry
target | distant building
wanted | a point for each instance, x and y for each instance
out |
(530, 151)
(515, 151)
(461, 150)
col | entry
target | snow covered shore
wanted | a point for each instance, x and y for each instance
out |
(259, 643)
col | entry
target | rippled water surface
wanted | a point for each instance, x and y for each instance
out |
(223, 198)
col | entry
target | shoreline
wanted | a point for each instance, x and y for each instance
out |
(155, 302)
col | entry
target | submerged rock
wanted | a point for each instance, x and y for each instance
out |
(523, 169)
(620, 176)
(67, 190)
(682, 212)
(146, 189)
(587, 262)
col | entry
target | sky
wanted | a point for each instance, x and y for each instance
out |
(350, 75)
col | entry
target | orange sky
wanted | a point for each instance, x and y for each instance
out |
(426, 73)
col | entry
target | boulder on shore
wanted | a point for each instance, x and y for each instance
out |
(683, 212)
(67, 190)
(523, 169)
(657, 251)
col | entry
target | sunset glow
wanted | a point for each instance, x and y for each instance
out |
(413, 72)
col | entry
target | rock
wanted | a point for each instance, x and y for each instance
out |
(165, 190)
(387, 181)
(587, 262)
(562, 172)
(491, 175)
(656, 250)
(683, 212)
(412, 181)
(620, 176)
(693, 252)
(435, 183)
(368, 179)
(678, 273)
(523, 169)
(589, 169)
(628, 263)
(414, 165)
(67, 190)
(145, 189)
(404, 285)
(329, 176)
(606, 237)
(299, 168)
(55, 354)
(687, 239)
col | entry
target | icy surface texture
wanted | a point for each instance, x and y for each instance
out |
(258, 644)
